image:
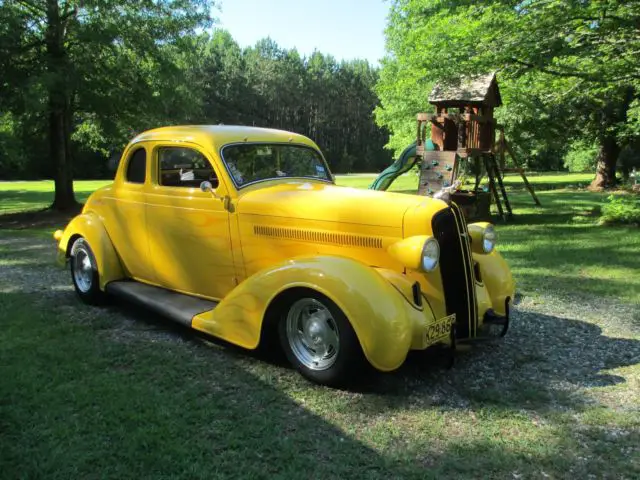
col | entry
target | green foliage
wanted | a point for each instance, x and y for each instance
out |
(265, 85)
(11, 154)
(629, 160)
(107, 68)
(122, 81)
(623, 209)
(581, 157)
(565, 68)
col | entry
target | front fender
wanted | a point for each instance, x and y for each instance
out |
(374, 308)
(497, 278)
(89, 226)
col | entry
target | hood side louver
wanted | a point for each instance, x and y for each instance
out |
(318, 236)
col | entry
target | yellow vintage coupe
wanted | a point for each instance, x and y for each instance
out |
(241, 233)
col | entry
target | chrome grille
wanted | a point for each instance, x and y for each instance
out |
(456, 269)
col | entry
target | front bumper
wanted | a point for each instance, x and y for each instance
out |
(492, 318)
(486, 329)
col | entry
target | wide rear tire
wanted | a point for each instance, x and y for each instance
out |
(84, 273)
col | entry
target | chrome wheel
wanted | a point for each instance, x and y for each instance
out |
(83, 269)
(312, 333)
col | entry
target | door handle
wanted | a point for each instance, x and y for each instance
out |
(227, 203)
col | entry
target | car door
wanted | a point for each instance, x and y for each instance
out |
(125, 216)
(189, 236)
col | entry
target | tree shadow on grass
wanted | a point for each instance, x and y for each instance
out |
(544, 366)
(114, 392)
(31, 201)
(37, 219)
(15, 200)
(82, 394)
(75, 404)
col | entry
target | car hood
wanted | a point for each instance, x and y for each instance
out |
(327, 202)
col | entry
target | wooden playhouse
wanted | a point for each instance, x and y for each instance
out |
(463, 130)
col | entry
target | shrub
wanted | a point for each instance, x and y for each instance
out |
(629, 159)
(623, 209)
(581, 157)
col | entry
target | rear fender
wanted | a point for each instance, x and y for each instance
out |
(497, 278)
(90, 227)
(375, 309)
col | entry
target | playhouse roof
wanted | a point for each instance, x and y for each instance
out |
(481, 89)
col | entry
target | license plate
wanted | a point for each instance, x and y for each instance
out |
(440, 330)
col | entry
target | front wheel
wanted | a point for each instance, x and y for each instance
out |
(84, 273)
(319, 341)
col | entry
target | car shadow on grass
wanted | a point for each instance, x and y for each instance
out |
(543, 362)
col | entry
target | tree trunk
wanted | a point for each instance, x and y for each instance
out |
(613, 114)
(606, 165)
(59, 131)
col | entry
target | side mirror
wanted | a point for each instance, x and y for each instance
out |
(206, 186)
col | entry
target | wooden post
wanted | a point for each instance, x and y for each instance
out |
(462, 134)
(476, 166)
(456, 168)
(496, 170)
(501, 147)
(492, 185)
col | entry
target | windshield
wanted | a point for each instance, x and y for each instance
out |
(249, 163)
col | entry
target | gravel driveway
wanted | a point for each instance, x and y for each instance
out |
(566, 348)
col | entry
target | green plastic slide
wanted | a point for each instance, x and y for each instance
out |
(404, 163)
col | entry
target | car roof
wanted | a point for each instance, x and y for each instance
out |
(220, 135)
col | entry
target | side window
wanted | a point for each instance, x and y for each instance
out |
(137, 166)
(184, 167)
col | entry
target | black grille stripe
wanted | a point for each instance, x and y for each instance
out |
(456, 269)
(468, 264)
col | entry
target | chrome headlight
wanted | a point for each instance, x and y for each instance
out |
(419, 252)
(430, 255)
(489, 239)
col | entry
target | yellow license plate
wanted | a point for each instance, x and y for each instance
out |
(440, 330)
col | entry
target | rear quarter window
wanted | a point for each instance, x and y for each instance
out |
(137, 166)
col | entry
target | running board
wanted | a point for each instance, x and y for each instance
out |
(176, 306)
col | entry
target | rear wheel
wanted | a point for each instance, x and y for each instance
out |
(319, 341)
(84, 273)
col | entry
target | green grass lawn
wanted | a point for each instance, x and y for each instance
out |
(560, 248)
(116, 392)
(23, 196)
(563, 232)
(540, 180)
